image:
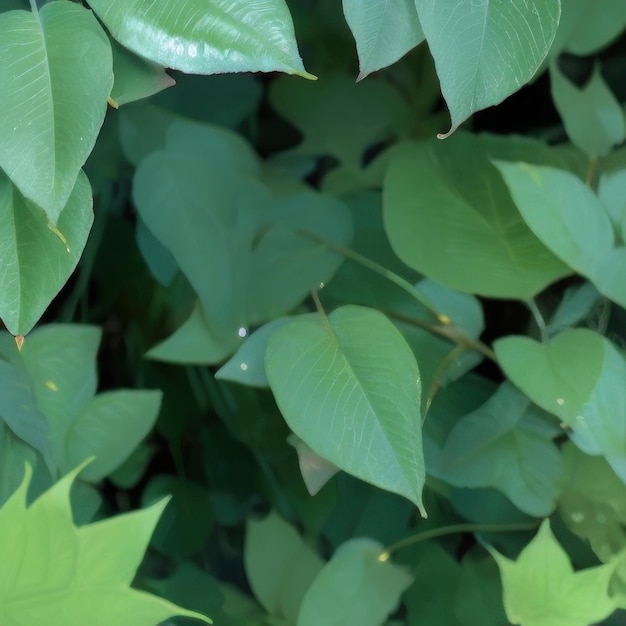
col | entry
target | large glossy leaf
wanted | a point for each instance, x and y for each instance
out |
(449, 215)
(279, 565)
(542, 589)
(493, 447)
(200, 37)
(61, 575)
(60, 363)
(36, 258)
(571, 221)
(383, 31)
(354, 587)
(349, 387)
(56, 74)
(592, 116)
(485, 51)
(576, 377)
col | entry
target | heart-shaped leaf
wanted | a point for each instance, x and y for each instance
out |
(56, 75)
(348, 385)
(485, 51)
(36, 258)
(202, 37)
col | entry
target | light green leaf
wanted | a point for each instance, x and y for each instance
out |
(570, 220)
(485, 51)
(384, 31)
(37, 258)
(491, 447)
(597, 24)
(206, 38)
(542, 589)
(592, 116)
(338, 117)
(135, 78)
(247, 365)
(57, 574)
(349, 387)
(280, 567)
(355, 587)
(56, 75)
(575, 376)
(612, 193)
(316, 471)
(449, 216)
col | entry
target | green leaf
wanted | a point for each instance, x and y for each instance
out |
(338, 117)
(108, 426)
(575, 376)
(316, 471)
(384, 31)
(485, 51)
(542, 589)
(592, 116)
(187, 521)
(36, 258)
(55, 573)
(200, 38)
(280, 567)
(355, 587)
(135, 78)
(577, 305)
(349, 387)
(247, 365)
(593, 26)
(56, 76)
(455, 221)
(492, 447)
(570, 220)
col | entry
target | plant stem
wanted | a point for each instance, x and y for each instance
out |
(538, 317)
(33, 6)
(454, 529)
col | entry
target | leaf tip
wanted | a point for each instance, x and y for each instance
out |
(19, 342)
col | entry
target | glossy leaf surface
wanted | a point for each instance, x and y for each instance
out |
(57, 61)
(349, 387)
(206, 38)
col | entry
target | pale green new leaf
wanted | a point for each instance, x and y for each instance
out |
(200, 37)
(491, 447)
(542, 589)
(57, 574)
(36, 258)
(350, 388)
(570, 220)
(592, 116)
(56, 75)
(485, 51)
(384, 31)
(280, 567)
(355, 587)
(449, 216)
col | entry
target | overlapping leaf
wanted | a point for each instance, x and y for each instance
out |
(349, 387)
(61, 575)
(56, 75)
(206, 38)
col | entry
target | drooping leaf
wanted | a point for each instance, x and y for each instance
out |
(135, 78)
(449, 216)
(280, 567)
(491, 447)
(592, 116)
(383, 31)
(570, 220)
(542, 589)
(338, 117)
(61, 575)
(355, 587)
(485, 51)
(56, 75)
(59, 361)
(576, 377)
(349, 387)
(37, 258)
(206, 38)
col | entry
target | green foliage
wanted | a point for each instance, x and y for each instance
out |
(226, 294)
